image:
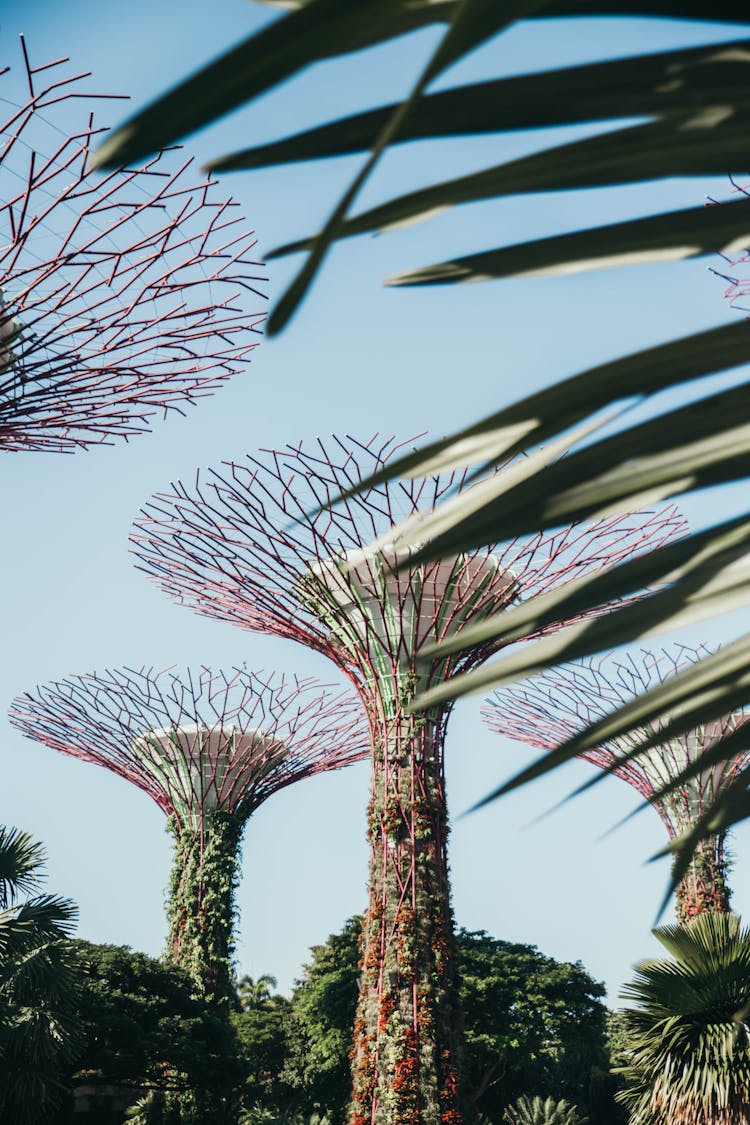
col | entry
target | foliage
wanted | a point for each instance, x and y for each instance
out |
(256, 993)
(257, 1115)
(324, 29)
(535, 1111)
(323, 1009)
(261, 1029)
(689, 1060)
(618, 1038)
(144, 1029)
(531, 1024)
(408, 1026)
(38, 1029)
(201, 905)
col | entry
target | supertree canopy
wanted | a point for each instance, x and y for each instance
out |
(121, 296)
(210, 749)
(254, 543)
(552, 707)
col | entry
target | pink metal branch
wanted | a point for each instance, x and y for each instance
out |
(121, 296)
(253, 543)
(550, 708)
(201, 741)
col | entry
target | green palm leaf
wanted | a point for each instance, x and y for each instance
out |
(38, 974)
(711, 142)
(542, 1111)
(314, 31)
(21, 860)
(689, 1058)
(674, 236)
(708, 103)
(634, 87)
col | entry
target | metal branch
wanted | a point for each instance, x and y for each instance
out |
(201, 741)
(240, 544)
(557, 705)
(121, 296)
(552, 707)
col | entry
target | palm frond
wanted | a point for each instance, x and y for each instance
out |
(689, 1046)
(21, 860)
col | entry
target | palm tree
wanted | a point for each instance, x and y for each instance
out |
(38, 1031)
(689, 1033)
(256, 992)
(534, 1111)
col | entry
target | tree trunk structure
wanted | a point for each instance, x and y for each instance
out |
(408, 1026)
(704, 886)
(201, 901)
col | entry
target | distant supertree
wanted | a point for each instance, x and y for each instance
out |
(253, 544)
(550, 708)
(210, 749)
(119, 294)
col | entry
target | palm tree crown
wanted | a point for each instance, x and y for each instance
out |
(37, 976)
(690, 1060)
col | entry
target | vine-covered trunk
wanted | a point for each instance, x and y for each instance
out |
(201, 901)
(408, 1027)
(704, 886)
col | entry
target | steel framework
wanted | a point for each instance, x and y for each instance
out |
(121, 296)
(736, 258)
(255, 544)
(209, 749)
(554, 706)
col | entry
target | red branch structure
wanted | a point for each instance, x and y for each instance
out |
(555, 706)
(209, 749)
(121, 295)
(255, 544)
(736, 270)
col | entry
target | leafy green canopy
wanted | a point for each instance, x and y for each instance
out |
(144, 1030)
(533, 1025)
(697, 107)
(689, 1035)
(535, 1111)
(38, 1028)
(262, 1029)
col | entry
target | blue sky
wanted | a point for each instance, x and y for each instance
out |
(358, 358)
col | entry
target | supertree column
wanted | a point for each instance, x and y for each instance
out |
(254, 544)
(550, 708)
(121, 296)
(209, 749)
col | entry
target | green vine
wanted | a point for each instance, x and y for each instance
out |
(201, 908)
(408, 1026)
(704, 886)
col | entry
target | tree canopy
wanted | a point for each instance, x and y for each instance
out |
(38, 979)
(534, 1026)
(143, 1029)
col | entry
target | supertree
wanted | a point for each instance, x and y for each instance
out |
(209, 749)
(256, 544)
(552, 707)
(122, 295)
